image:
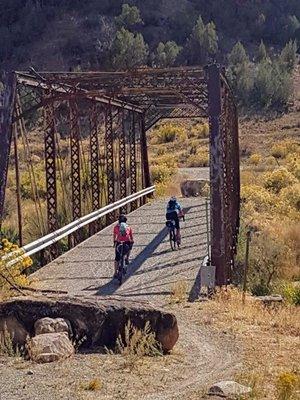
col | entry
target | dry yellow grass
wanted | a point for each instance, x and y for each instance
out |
(270, 338)
(93, 385)
(178, 292)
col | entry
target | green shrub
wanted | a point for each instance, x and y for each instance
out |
(260, 198)
(278, 179)
(293, 164)
(200, 159)
(287, 385)
(160, 173)
(291, 196)
(283, 148)
(200, 131)
(255, 159)
(291, 292)
(168, 133)
(267, 256)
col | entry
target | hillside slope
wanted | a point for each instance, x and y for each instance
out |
(60, 34)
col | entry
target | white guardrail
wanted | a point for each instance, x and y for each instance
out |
(59, 234)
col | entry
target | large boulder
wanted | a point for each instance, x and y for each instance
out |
(49, 347)
(229, 390)
(194, 187)
(12, 328)
(51, 325)
(99, 322)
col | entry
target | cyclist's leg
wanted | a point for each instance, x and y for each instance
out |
(117, 258)
(177, 226)
(128, 251)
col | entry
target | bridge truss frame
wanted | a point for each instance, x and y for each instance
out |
(127, 104)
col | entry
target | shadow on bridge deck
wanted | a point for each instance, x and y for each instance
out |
(154, 269)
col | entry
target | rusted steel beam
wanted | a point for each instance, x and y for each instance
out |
(122, 160)
(132, 160)
(18, 188)
(69, 90)
(50, 165)
(94, 152)
(75, 168)
(109, 147)
(216, 175)
(144, 155)
(7, 102)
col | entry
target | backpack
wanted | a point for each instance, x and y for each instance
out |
(172, 204)
(123, 228)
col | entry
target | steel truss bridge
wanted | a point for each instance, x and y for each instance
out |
(94, 126)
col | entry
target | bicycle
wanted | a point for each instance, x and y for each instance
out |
(121, 264)
(172, 233)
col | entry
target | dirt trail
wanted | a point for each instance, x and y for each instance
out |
(200, 358)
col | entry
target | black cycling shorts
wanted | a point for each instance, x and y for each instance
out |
(127, 246)
(173, 216)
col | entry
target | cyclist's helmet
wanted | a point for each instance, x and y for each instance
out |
(122, 218)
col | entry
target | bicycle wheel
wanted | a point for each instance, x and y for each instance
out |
(172, 239)
(120, 272)
(121, 267)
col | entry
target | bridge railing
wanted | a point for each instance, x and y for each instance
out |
(54, 237)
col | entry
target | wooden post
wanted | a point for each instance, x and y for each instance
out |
(248, 240)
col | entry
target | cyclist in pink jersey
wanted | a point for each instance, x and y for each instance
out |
(122, 233)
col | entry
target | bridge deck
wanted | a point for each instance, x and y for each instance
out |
(87, 269)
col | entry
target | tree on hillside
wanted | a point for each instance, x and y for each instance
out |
(202, 43)
(288, 56)
(272, 85)
(239, 73)
(261, 53)
(129, 50)
(129, 16)
(166, 54)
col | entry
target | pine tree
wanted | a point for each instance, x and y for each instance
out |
(203, 42)
(239, 73)
(262, 52)
(288, 56)
(211, 39)
(166, 53)
(129, 50)
(129, 16)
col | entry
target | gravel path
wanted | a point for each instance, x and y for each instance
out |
(87, 269)
(200, 358)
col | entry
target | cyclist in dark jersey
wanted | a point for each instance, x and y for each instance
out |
(173, 212)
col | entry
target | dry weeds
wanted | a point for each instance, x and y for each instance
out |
(178, 292)
(270, 339)
(137, 344)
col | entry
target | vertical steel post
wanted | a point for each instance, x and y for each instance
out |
(7, 101)
(132, 160)
(144, 154)
(94, 149)
(50, 164)
(18, 191)
(122, 161)
(75, 168)
(216, 170)
(109, 141)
